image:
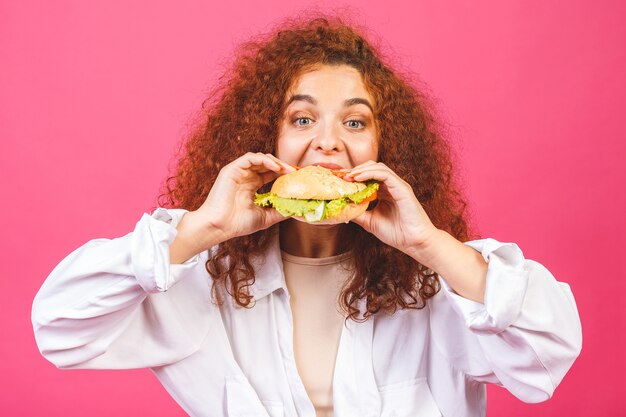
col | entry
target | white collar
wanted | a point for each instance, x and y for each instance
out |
(268, 268)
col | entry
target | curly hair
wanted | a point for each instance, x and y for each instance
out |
(243, 114)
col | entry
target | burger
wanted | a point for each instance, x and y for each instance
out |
(318, 195)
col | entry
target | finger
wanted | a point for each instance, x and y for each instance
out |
(364, 220)
(268, 176)
(258, 162)
(271, 217)
(261, 162)
(367, 167)
(364, 164)
(373, 173)
(377, 171)
(286, 167)
(352, 172)
(390, 184)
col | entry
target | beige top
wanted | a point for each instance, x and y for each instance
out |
(314, 285)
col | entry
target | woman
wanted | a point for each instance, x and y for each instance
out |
(240, 311)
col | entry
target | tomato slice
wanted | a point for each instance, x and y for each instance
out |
(371, 198)
(339, 174)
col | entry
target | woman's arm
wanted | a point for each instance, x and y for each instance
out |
(465, 269)
(144, 299)
(500, 318)
(106, 305)
(525, 336)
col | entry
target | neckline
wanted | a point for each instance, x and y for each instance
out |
(329, 260)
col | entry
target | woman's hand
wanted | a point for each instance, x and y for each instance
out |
(230, 207)
(398, 219)
(229, 210)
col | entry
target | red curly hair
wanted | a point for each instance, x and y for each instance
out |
(243, 114)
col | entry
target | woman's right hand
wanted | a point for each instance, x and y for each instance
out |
(229, 210)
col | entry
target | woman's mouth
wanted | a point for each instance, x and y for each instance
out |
(328, 165)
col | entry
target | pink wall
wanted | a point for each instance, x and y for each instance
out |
(93, 100)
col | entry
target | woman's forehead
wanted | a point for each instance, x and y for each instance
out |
(325, 82)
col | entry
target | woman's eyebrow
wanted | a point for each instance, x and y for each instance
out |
(349, 102)
(301, 97)
(358, 100)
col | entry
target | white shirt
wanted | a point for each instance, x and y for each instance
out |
(119, 303)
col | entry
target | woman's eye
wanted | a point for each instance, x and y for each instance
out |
(355, 124)
(302, 121)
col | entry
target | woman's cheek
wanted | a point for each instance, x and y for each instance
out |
(365, 150)
(290, 148)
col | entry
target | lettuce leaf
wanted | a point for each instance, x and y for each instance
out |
(359, 196)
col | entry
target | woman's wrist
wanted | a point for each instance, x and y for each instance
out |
(464, 268)
(194, 235)
(428, 250)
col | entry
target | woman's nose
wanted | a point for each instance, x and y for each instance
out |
(328, 140)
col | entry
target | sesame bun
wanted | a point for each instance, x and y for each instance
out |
(314, 183)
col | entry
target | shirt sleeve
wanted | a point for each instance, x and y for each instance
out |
(524, 337)
(119, 303)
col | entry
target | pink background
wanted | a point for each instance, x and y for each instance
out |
(94, 99)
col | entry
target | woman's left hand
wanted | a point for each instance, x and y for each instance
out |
(398, 219)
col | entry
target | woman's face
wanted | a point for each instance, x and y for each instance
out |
(328, 120)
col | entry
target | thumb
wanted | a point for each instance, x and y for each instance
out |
(364, 220)
(271, 217)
